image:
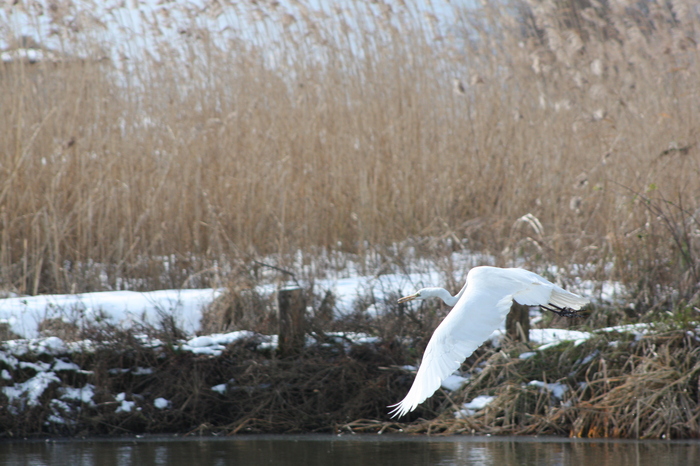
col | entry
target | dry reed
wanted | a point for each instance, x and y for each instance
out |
(339, 129)
(646, 388)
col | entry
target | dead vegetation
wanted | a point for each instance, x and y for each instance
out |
(568, 139)
(144, 171)
(616, 386)
(330, 384)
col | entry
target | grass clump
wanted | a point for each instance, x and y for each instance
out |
(610, 386)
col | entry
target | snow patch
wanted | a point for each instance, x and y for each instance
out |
(121, 308)
(556, 389)
(83, 395)
(221, 388)
(454, 382)
(471, 408)
(124, 406)
(161, 403)
(28, 393)
(549, 337)
(38, 366)
(61, 365)
(51, 346)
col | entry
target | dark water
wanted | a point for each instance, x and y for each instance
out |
(365, 450)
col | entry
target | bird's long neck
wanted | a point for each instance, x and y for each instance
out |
(445, 295)
(458, 295)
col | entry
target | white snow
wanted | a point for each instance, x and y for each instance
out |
(199, 342)
(527, 355)
(556, 389)
(123, 308)
(351, 293)
(30, 391)
(270, 342)
(548, 337)
(161, 403)
(215, 344)
(221, 388)
(50, 346)
(58, 410)
(469, 409)
(38, 366)
(639, 329)
(124, 406)
(61, 365)
(599, 292)
(231, 337)
(31, 55)
(454, 382)
(8, 360)
(83, 395)
(126, 308)
(587, 359)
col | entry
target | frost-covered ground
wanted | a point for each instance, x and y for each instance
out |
(52, 356)
(126, 308)
(23, 314)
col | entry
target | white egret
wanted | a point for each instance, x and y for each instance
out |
(479, 308)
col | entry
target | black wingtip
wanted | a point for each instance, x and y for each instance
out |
(561, 311)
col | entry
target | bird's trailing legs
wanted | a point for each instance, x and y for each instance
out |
(562, 311)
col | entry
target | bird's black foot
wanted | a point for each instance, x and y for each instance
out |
(561, 311)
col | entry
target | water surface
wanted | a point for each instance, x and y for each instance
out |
(348, 449)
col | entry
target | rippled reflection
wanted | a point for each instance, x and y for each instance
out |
(371, 450)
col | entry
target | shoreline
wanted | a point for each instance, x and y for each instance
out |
(610, 385)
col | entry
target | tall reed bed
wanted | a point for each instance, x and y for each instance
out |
(294, 129)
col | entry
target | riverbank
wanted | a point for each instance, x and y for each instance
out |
(635, 381)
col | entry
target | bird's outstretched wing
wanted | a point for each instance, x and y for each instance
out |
(534, 290)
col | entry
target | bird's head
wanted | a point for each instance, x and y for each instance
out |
(423, 293)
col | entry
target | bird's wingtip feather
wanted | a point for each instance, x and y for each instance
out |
(399, 410)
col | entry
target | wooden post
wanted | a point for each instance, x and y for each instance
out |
(518, 323)
(292, 325)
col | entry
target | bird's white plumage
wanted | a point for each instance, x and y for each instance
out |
(481, 308)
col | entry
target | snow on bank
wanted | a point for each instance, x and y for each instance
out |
(471, 408)
(123, 308)
(351, 292)
(547, 337)
(126, 308)
(55, 358)
(55, 361)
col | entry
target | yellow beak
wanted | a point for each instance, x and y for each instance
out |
(408, 298)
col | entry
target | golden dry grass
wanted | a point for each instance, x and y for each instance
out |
(343, 130)
(638, 388)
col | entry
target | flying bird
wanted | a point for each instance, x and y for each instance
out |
(480, 307)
